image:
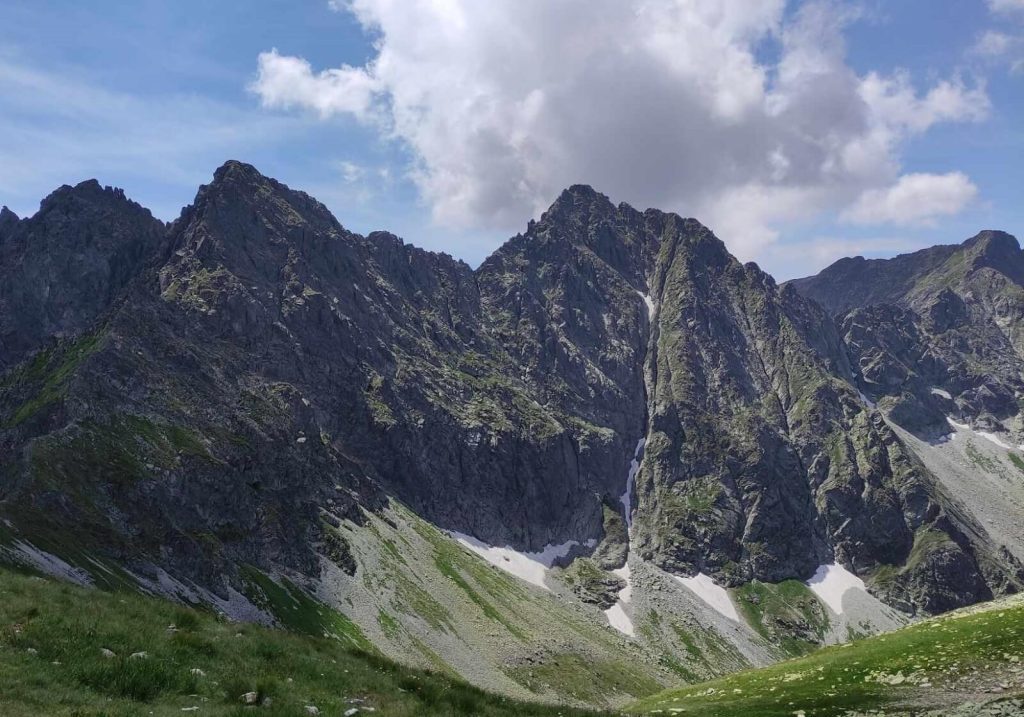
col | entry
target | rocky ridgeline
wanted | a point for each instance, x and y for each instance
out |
(228, 389)
(935, 333)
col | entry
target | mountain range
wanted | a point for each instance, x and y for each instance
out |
(610, 459)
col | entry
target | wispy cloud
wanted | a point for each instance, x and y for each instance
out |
(56, 128)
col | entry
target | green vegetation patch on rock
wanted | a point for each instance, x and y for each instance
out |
(297, 611)
(591, 584)
(42, 381)
(786, 614)
(124, 450)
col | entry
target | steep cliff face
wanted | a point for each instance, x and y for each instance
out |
(762, 462)
(253, 386)
(934, 338)
(570, 303)
(63, 267)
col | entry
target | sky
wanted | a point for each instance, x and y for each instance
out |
(799, 132)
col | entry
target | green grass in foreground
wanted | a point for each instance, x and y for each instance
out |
(52, 637)
(960, 657)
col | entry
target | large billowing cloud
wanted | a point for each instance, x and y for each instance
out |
(743, 113)
(914, 199)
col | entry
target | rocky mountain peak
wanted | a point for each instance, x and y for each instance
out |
(248, 222)
(8, 220)
(236, 181)
(610, 380)
(993, 240)
(580, 204)
(236, 171)
(237, 184)
(996, 250)
(65, 265)
(85, 196)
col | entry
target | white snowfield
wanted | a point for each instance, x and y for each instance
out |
(984, 434)
(936, 391)
(867, 401)
(616, 614)
(831, 582)
(531, 567)
(715, 596)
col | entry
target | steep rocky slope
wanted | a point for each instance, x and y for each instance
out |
(61, 268)
(935, 333)
(255, 407)
(935, 339)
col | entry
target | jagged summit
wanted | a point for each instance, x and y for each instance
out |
(88, 195)
(235, 169)
(997, 251)
(61, 268)
(8, 220)
(577, 204)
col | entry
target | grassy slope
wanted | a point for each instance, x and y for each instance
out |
(52, 636)
(421, 599)
(972, 655)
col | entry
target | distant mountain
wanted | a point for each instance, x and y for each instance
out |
(253, 408)
(936, 333)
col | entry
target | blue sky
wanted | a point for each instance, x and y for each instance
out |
(798, 131)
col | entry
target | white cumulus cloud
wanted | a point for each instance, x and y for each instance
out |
(288, 82)
(739, 112)
(913, 200)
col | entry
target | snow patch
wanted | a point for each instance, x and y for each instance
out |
(627, 496)
(649, 303)
(531, 567)
(936, 391)
(616, 614)
(957, 426)
(867, 401)
(715, 596)
(831, 582)
(994, 438)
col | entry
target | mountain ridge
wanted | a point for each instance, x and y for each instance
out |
(267, 391)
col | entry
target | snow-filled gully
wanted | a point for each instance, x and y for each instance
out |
(617, 615)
